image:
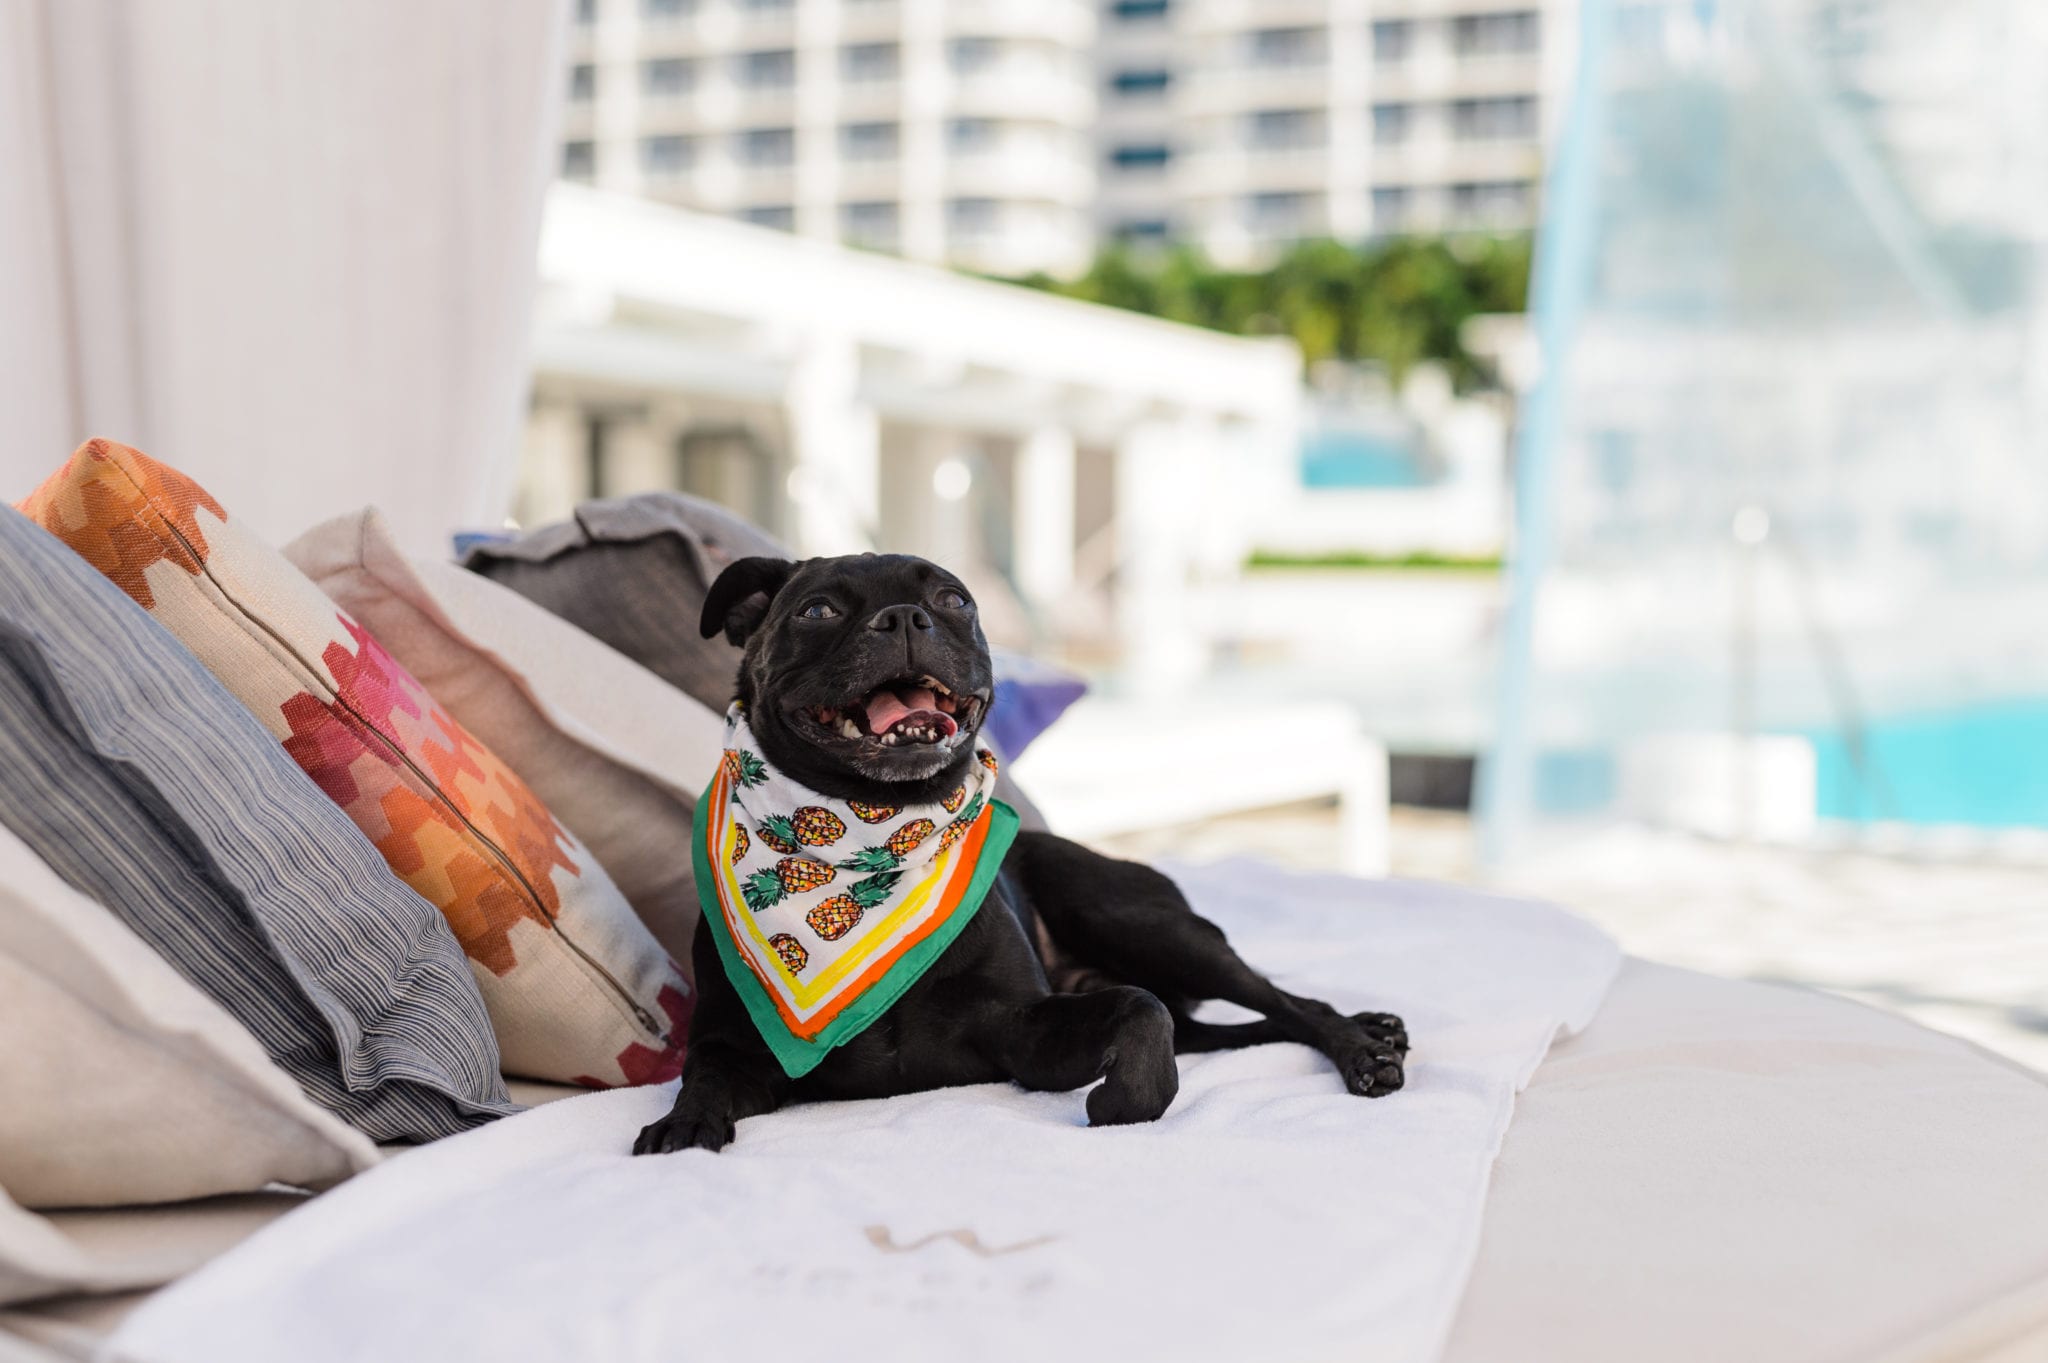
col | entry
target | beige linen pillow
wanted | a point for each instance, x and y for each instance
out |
(120, 1082)
(617, 754)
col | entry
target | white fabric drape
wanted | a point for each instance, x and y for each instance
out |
(288, 248)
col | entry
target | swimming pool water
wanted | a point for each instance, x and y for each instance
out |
(1985, 766)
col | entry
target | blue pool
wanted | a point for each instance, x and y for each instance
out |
(1980, 766)
(1985, 766)
(1340, 458)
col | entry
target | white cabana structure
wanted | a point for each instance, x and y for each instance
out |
(1086, 459)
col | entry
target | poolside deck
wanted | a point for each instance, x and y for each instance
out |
(1959, 946)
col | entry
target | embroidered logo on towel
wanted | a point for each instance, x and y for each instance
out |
(824, 911)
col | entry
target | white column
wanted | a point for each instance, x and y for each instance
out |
(922, 148)
(918, 519)
(1162, 651)
(1042, 524)
(639, 456)
(1347, 83)
(551, 463)
(834, 451)
(616, 115)
(817, 120)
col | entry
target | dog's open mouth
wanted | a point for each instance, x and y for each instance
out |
(909, 710)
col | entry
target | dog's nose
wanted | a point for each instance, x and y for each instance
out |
(891, 619)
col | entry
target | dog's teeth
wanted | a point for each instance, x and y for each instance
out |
(849, 728)
(889, 739)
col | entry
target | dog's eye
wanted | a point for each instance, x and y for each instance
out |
(951, 599)
(819, 610)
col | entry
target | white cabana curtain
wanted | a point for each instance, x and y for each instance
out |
(285, 245)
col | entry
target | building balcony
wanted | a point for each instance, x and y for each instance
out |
(1031, 172)
(1021, 91)
(579, 119)
(1444, 77)
(862, 180)
(1023, 237)
(869, 20)
(764, 184)
(1232, 16)
(863, 100)
(1064, 21)
(763, 105)
(1240, 89)
(1442, 161)
(1445, 9)
(704, 29)
(764, 25)
(1235, 170)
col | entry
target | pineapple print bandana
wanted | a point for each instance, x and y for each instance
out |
(824, 910)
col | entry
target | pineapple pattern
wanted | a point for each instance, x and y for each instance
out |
(987, 759)
(811, 826)
(794, 957)
(792, 875)
(745, 769)
(890, 854)
(837, 916)
(909, 838)
(957, 829)
(824, 898)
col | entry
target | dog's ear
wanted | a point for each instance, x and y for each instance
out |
(738, 602)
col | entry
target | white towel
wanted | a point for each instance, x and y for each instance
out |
(1268, 1215)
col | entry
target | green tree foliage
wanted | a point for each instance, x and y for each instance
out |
(1394, 302)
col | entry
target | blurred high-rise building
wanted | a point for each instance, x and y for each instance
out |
(942, 130)
(1012, 137)
(1241, 125)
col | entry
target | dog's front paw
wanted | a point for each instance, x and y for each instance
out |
(1371, 1068)
(682, 1130)
(1385, 1028)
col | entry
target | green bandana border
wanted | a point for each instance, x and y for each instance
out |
(797, 1056)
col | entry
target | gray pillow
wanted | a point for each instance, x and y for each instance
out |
(634, 572)
(143, 783)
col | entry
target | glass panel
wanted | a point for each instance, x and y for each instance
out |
(1782, 564)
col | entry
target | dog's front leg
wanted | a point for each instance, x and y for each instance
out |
(1121, 1035)
(721, 1088)
(729, 1074)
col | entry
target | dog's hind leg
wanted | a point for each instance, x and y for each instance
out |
(1120, 1035)
(1191, 1036)
(1133, 924)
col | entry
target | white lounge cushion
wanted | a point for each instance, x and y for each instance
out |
(1268, 1215)
(1718, 1170)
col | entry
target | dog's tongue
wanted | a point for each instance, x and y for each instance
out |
(887, 709)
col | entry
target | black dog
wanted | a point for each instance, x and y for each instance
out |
(1089, 969)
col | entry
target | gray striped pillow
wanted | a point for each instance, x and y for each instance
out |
(142, 782)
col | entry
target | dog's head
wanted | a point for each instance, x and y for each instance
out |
(865, 677)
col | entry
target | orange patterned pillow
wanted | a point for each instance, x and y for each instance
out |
(577, 988)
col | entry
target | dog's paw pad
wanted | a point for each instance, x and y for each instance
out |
(1372, 1074)
(679, 1131)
